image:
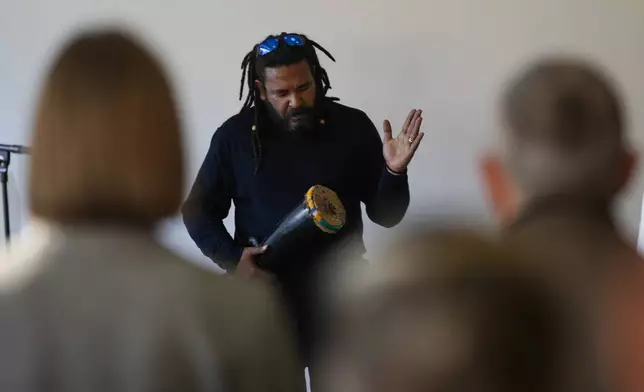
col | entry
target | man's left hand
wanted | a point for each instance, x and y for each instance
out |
(399, 151)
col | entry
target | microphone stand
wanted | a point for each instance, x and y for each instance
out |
(5, 159)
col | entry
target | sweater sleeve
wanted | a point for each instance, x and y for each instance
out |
(385, 195)
(208, 204)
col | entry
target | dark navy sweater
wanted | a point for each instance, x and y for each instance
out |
(345, 155)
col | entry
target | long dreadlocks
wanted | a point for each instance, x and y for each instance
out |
(254, 65)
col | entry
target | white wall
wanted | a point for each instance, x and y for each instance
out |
(448, 57)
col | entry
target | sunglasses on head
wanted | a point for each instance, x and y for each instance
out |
(269, 45)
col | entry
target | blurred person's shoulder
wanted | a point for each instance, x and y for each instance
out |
(26, 256)
(247, 325)
(223, 295)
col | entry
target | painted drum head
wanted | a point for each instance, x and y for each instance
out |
(326, 209)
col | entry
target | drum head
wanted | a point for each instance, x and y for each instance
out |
(326, 209)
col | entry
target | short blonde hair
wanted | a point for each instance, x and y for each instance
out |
(106, 142)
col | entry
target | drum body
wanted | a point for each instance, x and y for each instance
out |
(321, 213)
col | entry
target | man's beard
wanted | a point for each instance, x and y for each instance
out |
(296, 120)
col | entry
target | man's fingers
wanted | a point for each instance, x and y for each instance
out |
(386, 126)
(416, 143)
(415, 128)
(414, 118)
(408, 120)
(257, 250)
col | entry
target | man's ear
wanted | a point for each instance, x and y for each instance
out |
(500, 188)
(261, 89)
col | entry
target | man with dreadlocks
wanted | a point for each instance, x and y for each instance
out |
(288, 137)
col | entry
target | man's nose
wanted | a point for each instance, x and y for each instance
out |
(295, 101)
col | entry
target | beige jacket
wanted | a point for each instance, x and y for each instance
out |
(111, 310)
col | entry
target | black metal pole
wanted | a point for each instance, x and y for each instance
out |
(5, 208)
(4, 178)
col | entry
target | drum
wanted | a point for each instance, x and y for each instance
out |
(321, 213)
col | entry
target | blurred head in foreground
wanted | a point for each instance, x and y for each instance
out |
(446, 311)
(564, 137)
(106, 143)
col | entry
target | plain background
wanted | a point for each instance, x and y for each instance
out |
(449, 57)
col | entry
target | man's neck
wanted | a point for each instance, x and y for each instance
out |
(597, 209)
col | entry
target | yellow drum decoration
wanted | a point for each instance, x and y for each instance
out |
(326, 209)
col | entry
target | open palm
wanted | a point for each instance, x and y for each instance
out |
(399, 151)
